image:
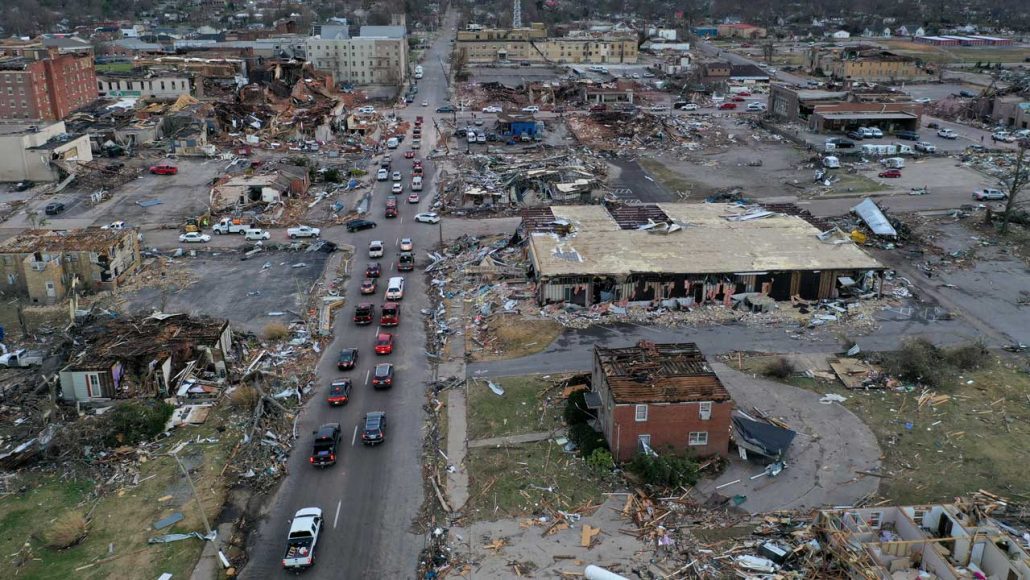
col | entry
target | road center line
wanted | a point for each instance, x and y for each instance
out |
(353, 439)
(338, 505)
(367, 373)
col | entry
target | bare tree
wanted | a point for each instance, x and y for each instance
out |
(1015, 183)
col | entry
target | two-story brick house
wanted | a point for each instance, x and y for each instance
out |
(660, 396)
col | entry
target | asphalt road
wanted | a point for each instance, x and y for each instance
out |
(371, 497)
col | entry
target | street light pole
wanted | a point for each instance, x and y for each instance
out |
(200, 506)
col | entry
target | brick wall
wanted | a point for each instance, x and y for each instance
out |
(670, 425)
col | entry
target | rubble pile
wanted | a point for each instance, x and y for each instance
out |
(543, 177)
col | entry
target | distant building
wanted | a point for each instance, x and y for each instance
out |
(705, 31)
(659, 397)
(145, 85)
(740, 30)
(715, 72)
(488, 45)
(37, 83)
(41, 152)
(378, 56)
(863, 63)
(41, 264)
(910, 30)
(841, 35)
(843, 110)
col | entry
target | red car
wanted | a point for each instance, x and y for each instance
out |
(891, 173)
(384, 343)
(739, 99)
(744, 94)
(727, 106)
(368, 286)
(409, 154)
(373, 270)
(164, 169)
(391, 211)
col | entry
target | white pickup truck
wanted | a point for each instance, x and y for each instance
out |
(300, 544)
(226, 226)
(303, 232)
(21, 358)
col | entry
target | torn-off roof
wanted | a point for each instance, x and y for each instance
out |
(659, 373)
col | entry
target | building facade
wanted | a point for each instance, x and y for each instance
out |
(42, 84)
(660, 397)
(863, 63)
(360, 60)
(161, 86)
(490, 45)
(41, 265)
(34, 152)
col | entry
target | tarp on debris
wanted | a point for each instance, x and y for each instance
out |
(762, 438)
(874, 218)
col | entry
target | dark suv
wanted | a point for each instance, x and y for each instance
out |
(382, 377)
(358, 225)
(348, 357)
(327, 437)
(375, 428)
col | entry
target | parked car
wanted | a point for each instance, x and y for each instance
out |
(492, 109)
(989, 194)
(755, 107)
(384, 343)
(856, 135)
(926, 147)
(194, 238)
(339, 392)
(323, 451)
(531, 109)
(923, 100)
(1003, 136)
(256, 234)
(373, 270)
(358, 225)
(368, 286)
(727, 106)
(303, 232)
(907, 135)
(890, 173)
(446, 109)
(366, 110)
(347, 358)
(427, 218)
(947, 134)
(302, 538)
(375, 428)
(382, 376)
(406, 245)
(164, 169)
(21, 358)
(686, 106)
(738, 99)
(53, 208)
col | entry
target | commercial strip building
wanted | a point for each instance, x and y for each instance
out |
(692, 253)
(38, 83)
(840, 110)
(145, 85)
(659, 397)
(378, 56)
(972, 40)
(493, 45)
(863, 63)
(40, 152)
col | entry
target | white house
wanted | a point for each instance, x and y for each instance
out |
(841, 35)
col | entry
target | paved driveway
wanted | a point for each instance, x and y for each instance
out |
(831, 445)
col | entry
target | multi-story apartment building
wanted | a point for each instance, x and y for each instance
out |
(41, 84)
(483, 45)
(378, 56)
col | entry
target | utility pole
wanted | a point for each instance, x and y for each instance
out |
(200, 506)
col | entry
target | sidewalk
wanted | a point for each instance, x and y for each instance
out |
(510, 440)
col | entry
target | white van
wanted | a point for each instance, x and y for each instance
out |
(375, 249)
(418, 71)
(395, 289)
(392, 143)
(831, 162)
(256, 234)
(416, 183)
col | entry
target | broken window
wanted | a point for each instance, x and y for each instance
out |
(641, 413)
(698, 438)
(644, 442)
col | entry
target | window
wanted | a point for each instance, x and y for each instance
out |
(698, 438)
(705, 410)
(644, 442)
(641, 414)
(93, 385)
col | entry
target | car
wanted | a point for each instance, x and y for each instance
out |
(427, 218)
(755, 107)
(445, 109)
(53, 208)
(396, 176)
(358, 225)
(23, 185)
(492, 109)
(988, 194)
(744, 94)
(933, 125)
(727, 106)
(690, 107)
(391, 200)
(256, 234)
(339, 392)
(425, 103)
(164, 169)
(977, 148)
(738, 99)
(478, 122)
(405, 262)
(397, 188)
(115, 225)
(907, 135)
(409, 154)
(347, 358)
(413, 197)
(373, 270)
(375, 249)
(923, 100)
(947, 134)
(966, 93)
(406, 245)
(395, 288)
(194, 238)
(1003, 136)
(391, 211)
(384, 343)
(382, 376)
(366, 110)
(303, 232)
(481, 138)
(470, 135)
(531, 109)
(890, 173)
(323, 452)
(874, 132)
(856, 135)
(374, 432)
(926, 147)
(364, 313)
(368, 286)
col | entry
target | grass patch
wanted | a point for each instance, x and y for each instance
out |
(668, 178)
(520, 410)
(516, 336)
(121, 518)
(977, 433)
(504, 482)
(115, 67)
(856, 183)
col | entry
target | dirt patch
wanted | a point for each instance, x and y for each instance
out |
(513, 336)
(672, 180)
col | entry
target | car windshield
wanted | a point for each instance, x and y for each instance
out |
(372, 424)
(364, 308)
(347, 355)
(384, 339)
(382, 370)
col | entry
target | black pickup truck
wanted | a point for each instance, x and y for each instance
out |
(327, 437)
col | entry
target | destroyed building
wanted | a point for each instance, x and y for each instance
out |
(943, 542)
(43, 152)
(690, 253)
(144, 357)
(46, 265)
(243, 190)
(655, 397)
